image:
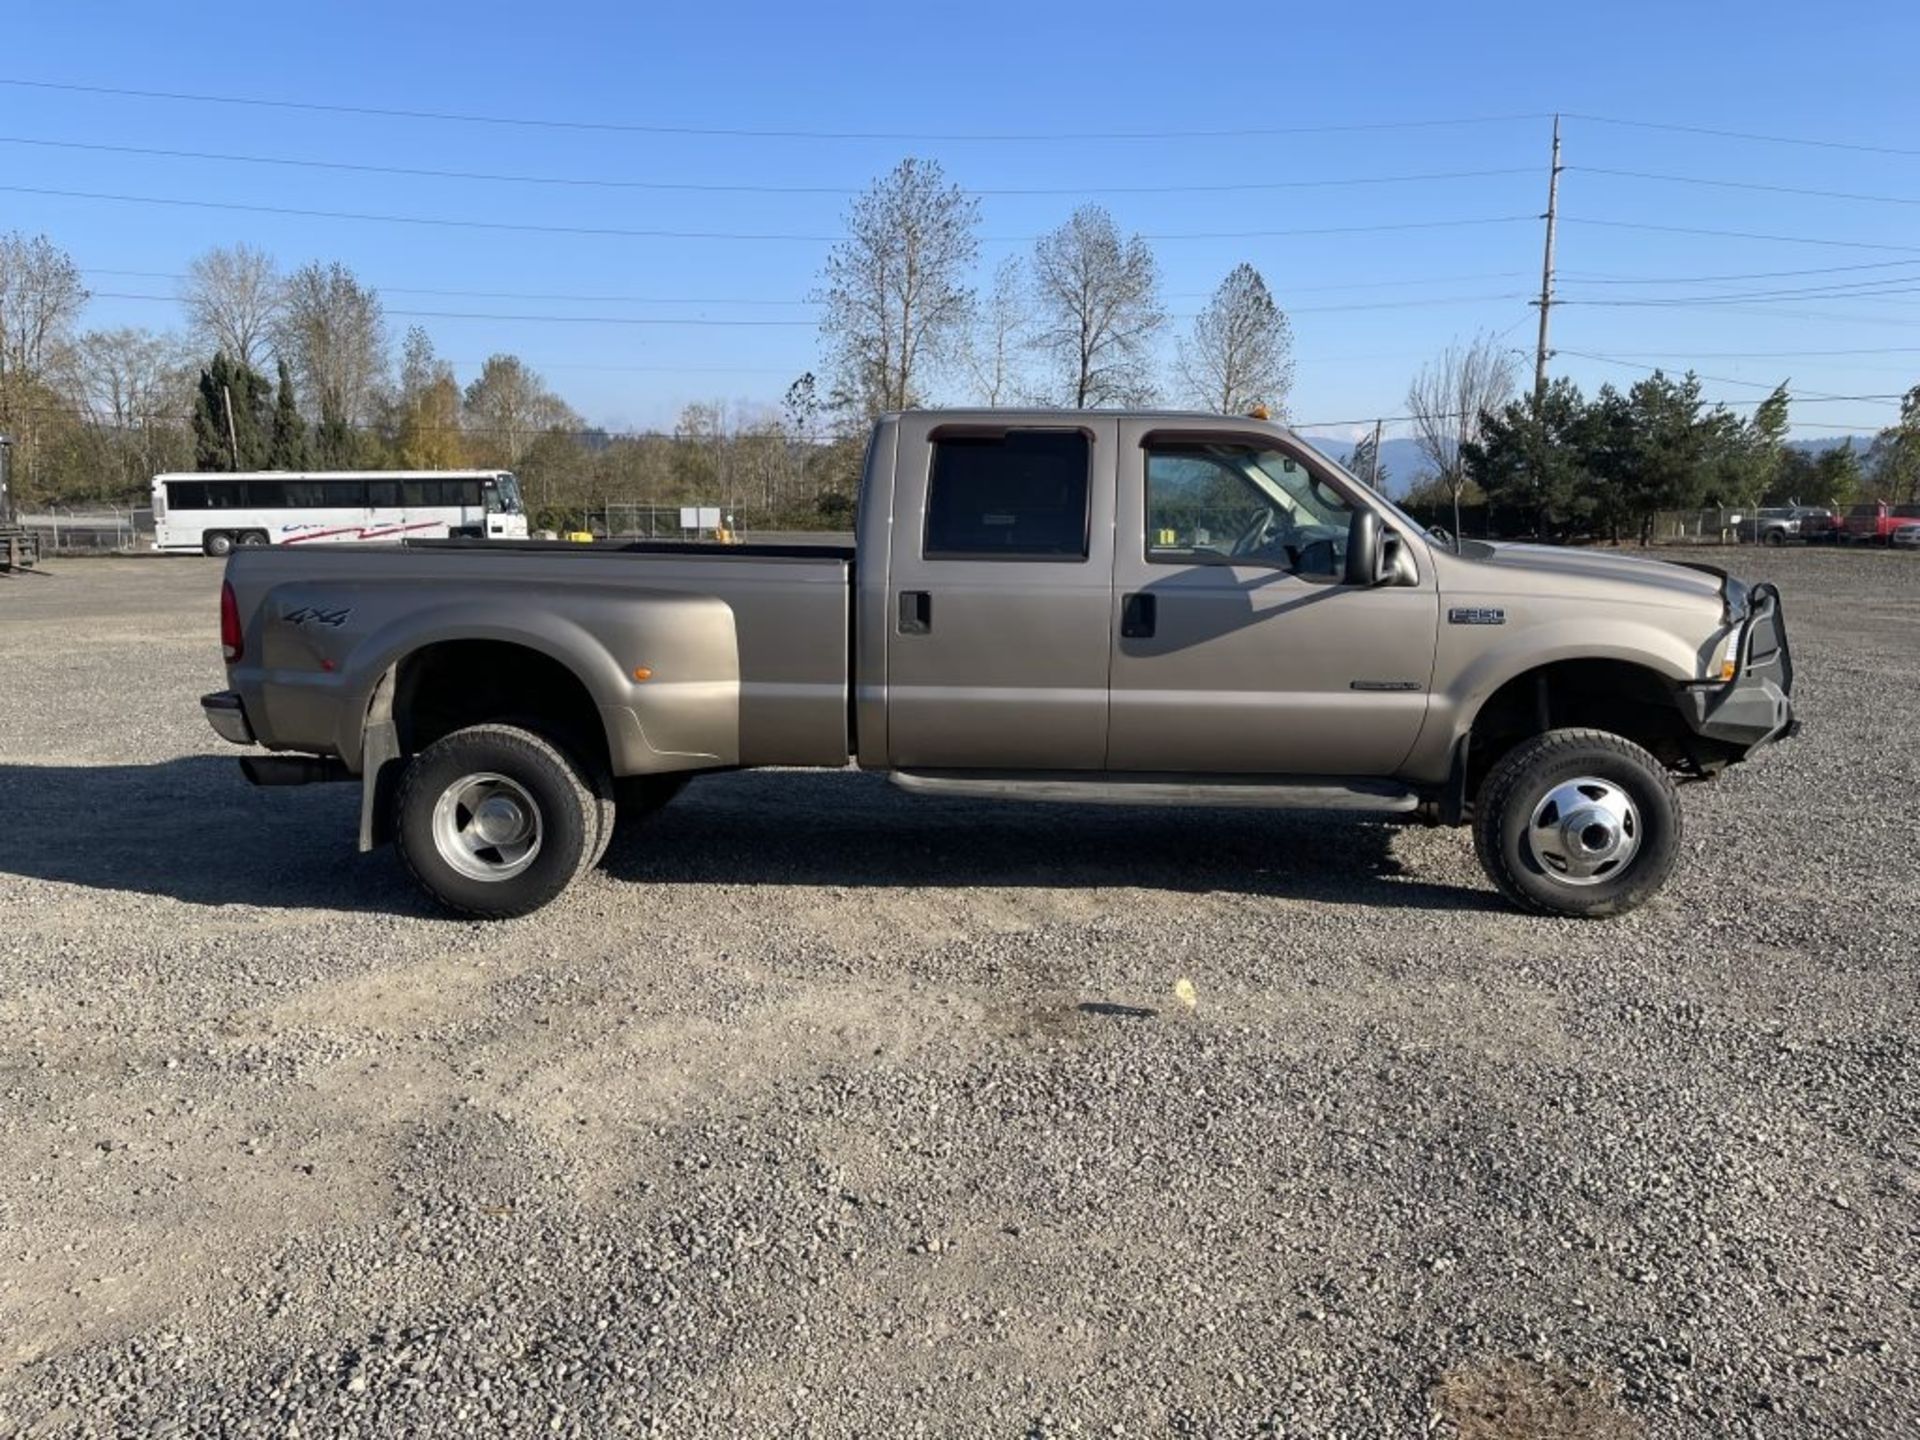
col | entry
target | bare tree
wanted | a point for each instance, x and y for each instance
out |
(40, 298)
(1000, 337)
(1241, 351)
(333, 331)
(1100, 310)
(1448, 401)
(233, 298)
(508, 405)
(896, 302)
(134, 385)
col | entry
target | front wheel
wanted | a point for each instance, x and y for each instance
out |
(495, 821)
(1579, 823)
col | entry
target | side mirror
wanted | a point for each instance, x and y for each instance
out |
(1363, 548)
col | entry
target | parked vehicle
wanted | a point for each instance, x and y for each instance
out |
(1906, 537)
(1781, 524)
(1875, 523)
(19, 547)
(216, 513)
(1139, 608)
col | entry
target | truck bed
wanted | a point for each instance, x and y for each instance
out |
(791, 609)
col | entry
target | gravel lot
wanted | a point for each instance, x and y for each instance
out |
(823, 1111)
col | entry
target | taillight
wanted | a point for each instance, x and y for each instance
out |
(232, 640)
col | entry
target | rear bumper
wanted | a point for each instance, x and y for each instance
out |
(227, 716)
(1756, 706)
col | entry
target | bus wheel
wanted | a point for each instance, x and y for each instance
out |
(217, 543)
(252, 537)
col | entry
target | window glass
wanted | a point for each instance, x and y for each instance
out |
(313, 494)
(266, 494)
(383, 492)
(186, 494)
(223, 495)
(1242, 505)
(414, 492)
(1022, 495)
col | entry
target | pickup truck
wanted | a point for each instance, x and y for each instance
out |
(1874, 523)
(1107, 608)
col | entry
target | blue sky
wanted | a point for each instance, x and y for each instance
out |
(1368, 304)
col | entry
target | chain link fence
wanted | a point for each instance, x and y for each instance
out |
(93, 531)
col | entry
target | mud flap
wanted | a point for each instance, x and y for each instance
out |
(380, 763)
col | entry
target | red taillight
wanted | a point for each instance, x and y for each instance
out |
(231, 638)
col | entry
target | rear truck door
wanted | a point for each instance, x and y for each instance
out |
(1237, 648)
(1000, 591)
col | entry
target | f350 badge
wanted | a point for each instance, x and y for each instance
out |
(1476, 615)
(316, 615)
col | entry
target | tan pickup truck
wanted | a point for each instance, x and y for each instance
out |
(1132, 608)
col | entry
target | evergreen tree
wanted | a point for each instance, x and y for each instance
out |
(232, 417)
(1534, 462)
(287, 446)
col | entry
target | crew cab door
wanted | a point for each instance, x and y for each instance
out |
(1237, 648)
(999, 597)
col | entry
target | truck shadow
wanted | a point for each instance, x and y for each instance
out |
(846, 828)
(193, 830)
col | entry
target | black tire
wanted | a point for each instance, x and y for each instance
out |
(216, 543)
(251, 539)
(1525, 869)
(642, 796)
(567, 820)
(1775, 537)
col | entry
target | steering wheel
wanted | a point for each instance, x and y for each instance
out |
(1253, 539)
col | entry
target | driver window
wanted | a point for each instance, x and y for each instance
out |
(1213, 504)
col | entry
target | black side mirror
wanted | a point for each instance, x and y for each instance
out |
(1363, 548)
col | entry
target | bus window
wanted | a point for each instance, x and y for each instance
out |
(266, 494)
(383, 493)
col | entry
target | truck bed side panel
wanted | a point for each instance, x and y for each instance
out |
(748, 653)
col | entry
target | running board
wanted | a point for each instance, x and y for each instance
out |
(1094, 787)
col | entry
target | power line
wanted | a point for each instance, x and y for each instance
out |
(757, 300)
(1737, 234)
(1815, 397)
(594, 182)
(1749, 185)
(634, 128)
(1744, 135)
(1860, 291)
(672, 320)
(617, 232)
(1592, 279)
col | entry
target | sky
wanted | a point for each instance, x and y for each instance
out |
(1384, 168)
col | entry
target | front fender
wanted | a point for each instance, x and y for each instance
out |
(1468, 673)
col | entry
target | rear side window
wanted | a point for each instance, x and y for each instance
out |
(1018, 496)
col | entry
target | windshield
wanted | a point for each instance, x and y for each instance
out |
(1381, 498)
(503, 494)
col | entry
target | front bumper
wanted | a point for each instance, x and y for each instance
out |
(227, 716)
(1756, 706)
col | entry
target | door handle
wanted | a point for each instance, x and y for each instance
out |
(916, 612)
(1138, 613)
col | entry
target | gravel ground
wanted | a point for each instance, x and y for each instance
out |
(824, 1111)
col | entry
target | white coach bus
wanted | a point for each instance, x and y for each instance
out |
(214, 512)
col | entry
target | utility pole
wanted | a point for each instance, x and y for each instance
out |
(1373, 477)
(233, 441)
(1545, 302)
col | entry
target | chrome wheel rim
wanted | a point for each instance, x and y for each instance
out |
(486, 826)
(1584, 831)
